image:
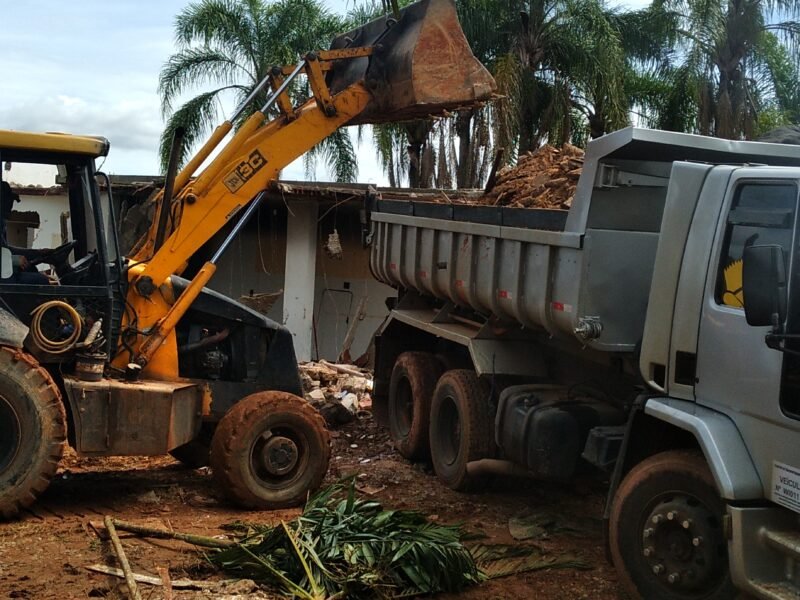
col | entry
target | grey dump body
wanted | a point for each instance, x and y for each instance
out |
(634, 279)
(557, 272)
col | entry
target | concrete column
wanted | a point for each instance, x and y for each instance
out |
(301, 271)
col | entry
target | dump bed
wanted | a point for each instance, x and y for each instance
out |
(566, 272)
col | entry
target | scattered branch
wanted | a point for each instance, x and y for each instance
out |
(133, 590)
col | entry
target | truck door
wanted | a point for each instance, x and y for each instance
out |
(737, 374)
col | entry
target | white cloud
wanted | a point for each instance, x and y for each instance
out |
(129, 124)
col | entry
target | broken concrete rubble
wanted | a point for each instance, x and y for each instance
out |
(337, 391)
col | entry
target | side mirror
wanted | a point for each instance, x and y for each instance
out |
(764, 285)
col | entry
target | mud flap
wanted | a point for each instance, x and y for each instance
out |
(12, 331)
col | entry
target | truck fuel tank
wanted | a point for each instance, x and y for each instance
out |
(422, 64)
(543, 429)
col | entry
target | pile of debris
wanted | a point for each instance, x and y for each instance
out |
(338, 392)
(546, 178)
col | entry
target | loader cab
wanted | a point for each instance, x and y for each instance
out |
(55, 232)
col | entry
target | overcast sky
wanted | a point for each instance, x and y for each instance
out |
(91, 67)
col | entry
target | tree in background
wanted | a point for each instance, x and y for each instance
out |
(231, 45)
(559, 66)
(737, 59)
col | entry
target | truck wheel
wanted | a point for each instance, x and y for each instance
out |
(270, 450)
(461, 428)
(33, 428)
(197, 453)
(666, 533)
(410, 389)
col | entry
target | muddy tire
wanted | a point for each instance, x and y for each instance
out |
(414, 378)
(666, 533)
(197, 453)
(462, 428)
(270, 450)
(33, 429)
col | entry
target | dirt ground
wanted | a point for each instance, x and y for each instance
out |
(44, 554)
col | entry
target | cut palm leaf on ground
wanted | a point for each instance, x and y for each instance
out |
(345, 546)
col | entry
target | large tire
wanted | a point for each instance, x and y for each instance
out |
(666, 532)
(411, 387)
(33, 429)
(197, 453)
(270, 450)
(461, 428)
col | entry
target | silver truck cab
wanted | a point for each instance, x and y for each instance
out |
(720, 379)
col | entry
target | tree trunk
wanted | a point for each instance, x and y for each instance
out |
(417, 134)
(465, 160)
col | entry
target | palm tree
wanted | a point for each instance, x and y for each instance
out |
(559, 66)
(231, 45)
(738, 55)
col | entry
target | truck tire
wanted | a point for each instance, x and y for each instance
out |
(270, 450)
(33, 429)
(462, 428)
(666, 533)
(411, 387)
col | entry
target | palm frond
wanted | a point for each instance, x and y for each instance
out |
(197, 116)
(194, 67)
(344, 545)
(502, 561)
(220, 24)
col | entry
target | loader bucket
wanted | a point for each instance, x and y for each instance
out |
(422, 64)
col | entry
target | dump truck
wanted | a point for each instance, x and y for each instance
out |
(121, 355)
(648, 335)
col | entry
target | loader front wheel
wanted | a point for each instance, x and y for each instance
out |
(270, 450)
(33, 429)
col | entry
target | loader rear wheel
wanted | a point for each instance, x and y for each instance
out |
(411, 387)
(665, 532)
(33, 429)
(461, 428)
(270, 450)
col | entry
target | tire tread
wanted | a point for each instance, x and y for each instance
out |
(234, 425)
(44, 393)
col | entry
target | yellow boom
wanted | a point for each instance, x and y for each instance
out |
(417, 65)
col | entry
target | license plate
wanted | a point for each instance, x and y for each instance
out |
(786, 486)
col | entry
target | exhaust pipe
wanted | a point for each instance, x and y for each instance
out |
(494, 466)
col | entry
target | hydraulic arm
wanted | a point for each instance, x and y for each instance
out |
(388, 70)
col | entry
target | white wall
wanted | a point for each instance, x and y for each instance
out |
(241, 269)
(48, 235)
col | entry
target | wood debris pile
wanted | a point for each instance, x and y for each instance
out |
(546, 178)
(337, 391)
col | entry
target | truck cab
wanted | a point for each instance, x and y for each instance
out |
(724, 375)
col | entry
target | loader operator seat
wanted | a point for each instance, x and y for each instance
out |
(24, 271)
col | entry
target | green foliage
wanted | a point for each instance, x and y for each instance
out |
(230, 45)
(344, 546)
(736, 59)
(559, 67)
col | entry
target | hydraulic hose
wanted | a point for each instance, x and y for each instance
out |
(45, 343)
